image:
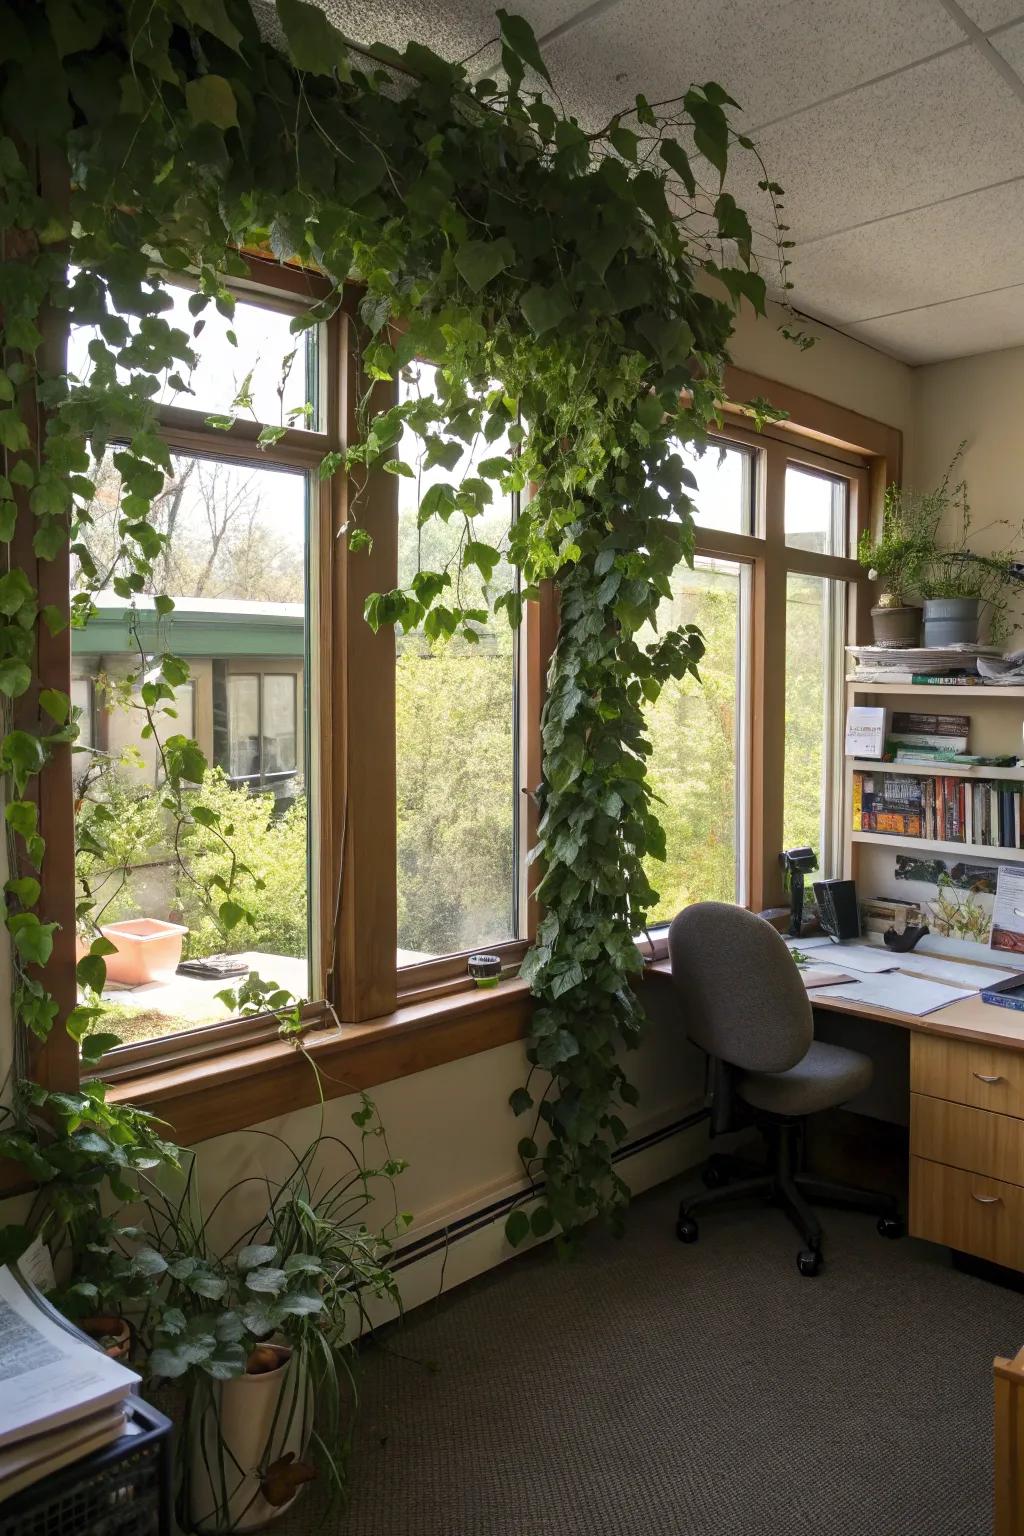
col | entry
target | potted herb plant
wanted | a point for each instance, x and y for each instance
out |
(962, 588)
(895, 558)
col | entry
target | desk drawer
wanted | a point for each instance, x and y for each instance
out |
(974, 1139)
(987, 1076)
(967, 1211)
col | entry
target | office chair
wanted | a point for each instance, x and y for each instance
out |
(747, 1007)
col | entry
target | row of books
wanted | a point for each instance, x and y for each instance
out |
(982, 812)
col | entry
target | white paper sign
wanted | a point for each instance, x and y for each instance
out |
(865, 731)
(1008, 911)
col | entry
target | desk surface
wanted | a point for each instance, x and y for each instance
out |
(967, 1019)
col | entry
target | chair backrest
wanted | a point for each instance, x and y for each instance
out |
(745, 1002)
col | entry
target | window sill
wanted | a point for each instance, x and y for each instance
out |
(202, 1098)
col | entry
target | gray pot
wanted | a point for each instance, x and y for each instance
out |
(951, 620)
(896, 626)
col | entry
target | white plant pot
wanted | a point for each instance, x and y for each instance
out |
(239, 1429)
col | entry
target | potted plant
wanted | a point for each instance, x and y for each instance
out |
(895, 558)
(262, 1326)
(960, 587)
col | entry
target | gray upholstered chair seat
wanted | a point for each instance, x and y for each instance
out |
(828, 1075)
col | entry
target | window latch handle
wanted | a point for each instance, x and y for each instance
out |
(987, 1199)
(989, 1077)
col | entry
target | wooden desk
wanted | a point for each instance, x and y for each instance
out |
(966, 1121)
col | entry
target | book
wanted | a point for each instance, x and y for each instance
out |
(62, 1395)
(944, 808)
(939, 733)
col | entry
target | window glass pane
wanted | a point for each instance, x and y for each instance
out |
(724, 497)
(697, 736)
(815, 611)
(243, 726)
(456, 737)
(235, 566)
(269, 371)
(816, 511)
(278, 732)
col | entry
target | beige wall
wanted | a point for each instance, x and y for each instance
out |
(835, 367)
(979, 399)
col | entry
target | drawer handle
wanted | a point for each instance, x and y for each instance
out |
(987, 1199)
(989, 1077)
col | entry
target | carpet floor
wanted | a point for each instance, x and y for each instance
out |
(652, 1389)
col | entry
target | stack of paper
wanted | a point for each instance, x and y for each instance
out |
(61, 1399)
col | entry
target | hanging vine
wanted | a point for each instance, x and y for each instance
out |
(576, 291)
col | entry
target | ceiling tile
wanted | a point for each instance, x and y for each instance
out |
(1011, 45)
(992, 13)
(810, 49)
(454, 31)
(987, 322)
(946, 127)
(949, 251)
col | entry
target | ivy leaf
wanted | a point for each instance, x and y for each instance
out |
(520, 1100)
(625, 142)
(212, 16)
(518, 37)
(545, 308)
(517, 1226)
(210, 99)
(479, 261)
(253, 1255)
(315, 46)
(15, 677)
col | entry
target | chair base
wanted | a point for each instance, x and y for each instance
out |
(783, 1183)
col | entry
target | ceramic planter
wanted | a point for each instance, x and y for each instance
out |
(110, 1332)
(148, 949)
(238, 1430)
(951, 620)
(896, 626)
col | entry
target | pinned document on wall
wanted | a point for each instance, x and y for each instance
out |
(865, 731)
(1008, 911)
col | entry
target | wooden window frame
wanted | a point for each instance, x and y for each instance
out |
(371, 1022)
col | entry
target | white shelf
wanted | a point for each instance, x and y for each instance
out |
(937, 770)
(960, 690)
(929, 845)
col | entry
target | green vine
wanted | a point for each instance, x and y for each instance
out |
(576, 291)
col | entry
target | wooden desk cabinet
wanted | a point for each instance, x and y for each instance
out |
(967, 1147)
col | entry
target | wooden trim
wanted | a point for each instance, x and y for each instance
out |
(365, 783)
(201, 1099)
(812, 416)
(1008, 1393)
(540, 623)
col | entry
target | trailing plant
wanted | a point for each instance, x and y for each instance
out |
(575, 289)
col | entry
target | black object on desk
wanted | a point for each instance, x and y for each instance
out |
(797, 862)
(122, 1490)
(838, 910)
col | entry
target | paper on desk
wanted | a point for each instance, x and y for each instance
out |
(823, 976)
(865, 957)
(815, 943)
(904, 994)
(957, 973)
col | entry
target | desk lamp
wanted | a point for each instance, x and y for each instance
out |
(796, 863)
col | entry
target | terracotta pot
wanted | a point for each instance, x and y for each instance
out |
(111, 1332)
(148, 949)
(896, 627)
(245, 1428)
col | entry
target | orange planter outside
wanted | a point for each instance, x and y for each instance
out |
(148, 949)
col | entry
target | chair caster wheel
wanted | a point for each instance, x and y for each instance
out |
(890, 1226)
(809, 1261)
(687, 1229)
(714, 1174)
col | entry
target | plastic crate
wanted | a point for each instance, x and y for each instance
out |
(122, 1490)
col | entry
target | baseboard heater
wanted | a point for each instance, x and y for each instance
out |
(474, 1221)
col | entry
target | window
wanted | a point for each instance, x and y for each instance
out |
(455, 732)
(815, 624)
(234, 520)
(698, 736)
(816, 511)
(267, 374)
(724, 494)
